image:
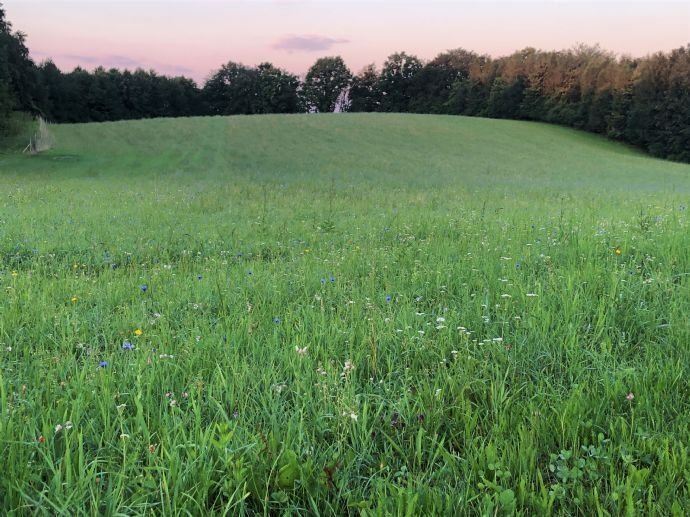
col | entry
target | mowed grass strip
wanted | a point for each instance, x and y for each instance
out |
(375, 314)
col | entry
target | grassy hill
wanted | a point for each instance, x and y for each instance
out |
(364, 313)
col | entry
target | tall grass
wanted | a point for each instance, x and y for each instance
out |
(356, 314)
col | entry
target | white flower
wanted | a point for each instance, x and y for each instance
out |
(440, 319)
(58, 428)
(278, 388)
(301, 351)
(351, 414)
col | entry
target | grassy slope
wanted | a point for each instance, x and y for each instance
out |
(452, 217)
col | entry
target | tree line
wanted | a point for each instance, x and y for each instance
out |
(642, 101)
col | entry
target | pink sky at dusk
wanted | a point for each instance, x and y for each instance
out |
(193, 38)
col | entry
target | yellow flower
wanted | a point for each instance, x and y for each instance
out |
(138, 332)
(74, 299)
(14, 273)
(617, 251)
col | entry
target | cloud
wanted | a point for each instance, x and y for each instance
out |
(307, 43)
(104, 60)
(115, 61)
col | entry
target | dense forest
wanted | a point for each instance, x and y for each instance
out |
(642, 101)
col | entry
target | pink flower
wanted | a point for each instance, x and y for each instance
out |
(629, 397)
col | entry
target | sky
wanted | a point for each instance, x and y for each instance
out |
(194, 37)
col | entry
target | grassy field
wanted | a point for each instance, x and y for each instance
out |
(364, 314)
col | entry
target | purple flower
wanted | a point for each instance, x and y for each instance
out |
(277, 320)
(388, 298)
(103, 364)
(323, 281)
(127, 345)
(144, 288)
(332, 279)
(199, 277)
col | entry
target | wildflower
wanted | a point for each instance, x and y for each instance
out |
(173, 402)
(277, 320)
(127, 345)
(166, 356)
(41, 439)
(14, 273)
(301, 351)
(440, 319)
(421, 418)
(388, 298)
(236, 414)
(347, 368)
(58, 428)
(532, 295)
(199, 277)
(103, 364)
(152, 448)
(278, 388)
(124, 436)
(617, 251)
(138, 332)
(144, 288)
(351, 414)
(75, 299)
(323, 281)
(629, 397)
(68, 425)
(332, 279)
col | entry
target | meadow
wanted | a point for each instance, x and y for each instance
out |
(343, 314)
